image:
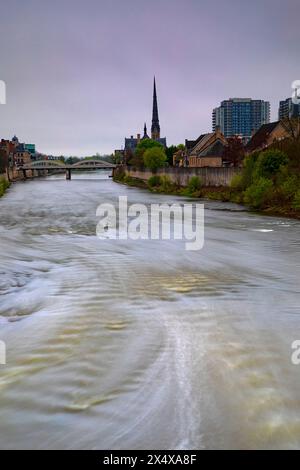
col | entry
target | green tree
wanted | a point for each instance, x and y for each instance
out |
(72, 160)
(144, 145)
(170, 152)
(3, 161)
(154, 158)
(270, 162)
(147, 144)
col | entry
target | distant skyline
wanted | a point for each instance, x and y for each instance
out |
(79, 74)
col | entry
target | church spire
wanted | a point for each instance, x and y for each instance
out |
(145, 136)
(155, 128)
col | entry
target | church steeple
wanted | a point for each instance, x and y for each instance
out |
(145, 136)
(155, 128)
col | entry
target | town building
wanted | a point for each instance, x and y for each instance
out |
(30, 148)
(267, 135)
(288, 109)
(241, 117)
(17, 153)
(132, 142)
(206, 151)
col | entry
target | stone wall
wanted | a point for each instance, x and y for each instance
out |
(210, 176)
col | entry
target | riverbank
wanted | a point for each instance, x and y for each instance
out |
(4, 185)
(163, 185)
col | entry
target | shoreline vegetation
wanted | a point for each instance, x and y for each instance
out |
(4, 185)
(268, 181)
(257, 199)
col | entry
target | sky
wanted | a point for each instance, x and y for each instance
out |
(79, 73)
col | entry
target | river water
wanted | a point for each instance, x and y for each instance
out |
(142, 344)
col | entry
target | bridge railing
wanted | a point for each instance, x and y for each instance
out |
(85, 164)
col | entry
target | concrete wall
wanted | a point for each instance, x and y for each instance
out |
(209, 176)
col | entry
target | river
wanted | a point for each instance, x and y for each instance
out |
(142, 344)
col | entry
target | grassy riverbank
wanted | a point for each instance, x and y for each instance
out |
(4, 184)
(236, 194)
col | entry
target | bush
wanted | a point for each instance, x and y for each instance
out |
(296, 201)
(166, 184)
(237, 183)
(249, 164)
(290, 186)
(119, 174)
(4, 184)
(259, 193)
(269, 163)
(154, 158)
(194, 184)
(154, 181)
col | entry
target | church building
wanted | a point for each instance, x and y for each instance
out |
(132, 142)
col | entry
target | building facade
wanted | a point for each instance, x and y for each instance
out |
(17, 153)
(287, 109)
(267, 135)
(206, 151)
(241, 117)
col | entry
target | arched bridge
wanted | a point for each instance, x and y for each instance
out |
(40, 165)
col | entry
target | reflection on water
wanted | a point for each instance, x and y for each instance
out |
(122, 344)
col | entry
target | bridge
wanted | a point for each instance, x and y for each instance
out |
(47, 165)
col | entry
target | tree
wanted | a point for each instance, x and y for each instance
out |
(142, 147)
(72, 160)
(154, 158)
(270, 162)
(234, 152)
(170, 152)
(146, 144)
(3, 161)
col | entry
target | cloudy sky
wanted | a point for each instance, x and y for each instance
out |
(79, 73)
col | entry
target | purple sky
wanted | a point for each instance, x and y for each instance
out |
(79, 73)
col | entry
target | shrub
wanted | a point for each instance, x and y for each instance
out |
(296, 201)
(290, 186)
(166, 184)
(154, 181)
(248, 170)
(237, 183)
(259, 193)
(270, 162)
(4, 184)
(194, 184)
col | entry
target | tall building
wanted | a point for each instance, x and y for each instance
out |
(287, 109)
(132, 142)
(155, 128)
(241, 116)
(30, 148)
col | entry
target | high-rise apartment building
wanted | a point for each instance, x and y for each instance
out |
(241, 116)
(287, 109)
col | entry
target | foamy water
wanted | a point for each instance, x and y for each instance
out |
(140, 345)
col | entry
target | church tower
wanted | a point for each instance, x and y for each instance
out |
(145, 136)
(155, 128)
